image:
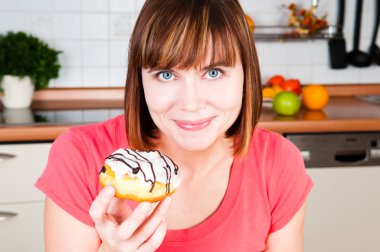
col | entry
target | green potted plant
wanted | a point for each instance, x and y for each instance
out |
(26, 64)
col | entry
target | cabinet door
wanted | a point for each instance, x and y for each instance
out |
(343, 210)
(20, 166)
(23, 232)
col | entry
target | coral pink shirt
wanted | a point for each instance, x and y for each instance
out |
(264, 192)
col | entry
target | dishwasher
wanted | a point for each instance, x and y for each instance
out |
(343, 213)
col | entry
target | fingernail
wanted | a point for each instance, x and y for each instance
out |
(144, 207)
(167, 201)
(109, 191)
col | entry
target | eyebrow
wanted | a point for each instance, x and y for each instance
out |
(207, 67)
(215, 64)
(153, 69)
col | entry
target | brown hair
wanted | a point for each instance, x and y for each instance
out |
(177, 33)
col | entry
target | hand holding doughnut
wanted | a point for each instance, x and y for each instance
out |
(143, 230)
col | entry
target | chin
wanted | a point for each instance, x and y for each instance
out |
(196, 144)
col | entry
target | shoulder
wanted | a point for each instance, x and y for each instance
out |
(91, 142)
(265, 142)
(272, 153)
(71, 177)
(276, 167)
(100, 128)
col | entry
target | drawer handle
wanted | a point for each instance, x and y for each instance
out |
(351, 156)
(4, 216)
(5, 157)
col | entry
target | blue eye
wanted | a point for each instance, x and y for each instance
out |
(213, 73)
(165, 75)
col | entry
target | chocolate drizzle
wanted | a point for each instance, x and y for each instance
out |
(135, 170)
(138, 156)
(136, 167)
(168, 172)
(103, 170)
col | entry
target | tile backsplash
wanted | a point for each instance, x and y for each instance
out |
(94, 36)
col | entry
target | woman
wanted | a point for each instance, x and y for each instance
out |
(193, 93)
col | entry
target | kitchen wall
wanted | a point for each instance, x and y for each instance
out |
(94, 36)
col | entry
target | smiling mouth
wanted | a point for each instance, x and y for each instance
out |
(194, 125)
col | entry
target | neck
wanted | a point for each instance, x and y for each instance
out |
(199, 162)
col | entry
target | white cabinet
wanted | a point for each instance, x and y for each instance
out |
(21, 204)
(343, 210)
(23, 232)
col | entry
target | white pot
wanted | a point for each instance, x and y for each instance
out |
(18, 92)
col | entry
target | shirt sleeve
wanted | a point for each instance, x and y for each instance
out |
(289, 184)
(68, 178)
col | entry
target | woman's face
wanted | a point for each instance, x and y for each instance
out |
(194, 108)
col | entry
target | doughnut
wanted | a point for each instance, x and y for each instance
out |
(140, 175)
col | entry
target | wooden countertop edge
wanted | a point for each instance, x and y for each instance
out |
(353, 90)
(49, 133)
(32, 133)
(80, 94)
(346, 125)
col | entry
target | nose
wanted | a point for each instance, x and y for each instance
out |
(192, 97)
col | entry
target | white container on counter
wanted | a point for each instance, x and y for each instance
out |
(18, 92)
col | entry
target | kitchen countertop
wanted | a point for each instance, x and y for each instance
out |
(343, 114)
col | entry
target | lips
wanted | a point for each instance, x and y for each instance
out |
(194, 125)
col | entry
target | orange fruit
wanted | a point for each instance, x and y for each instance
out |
(276, 80)
(315, 97)
(277, 89)
(268, 92)
(250, 22)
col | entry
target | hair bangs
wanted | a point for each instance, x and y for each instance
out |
(188, 40)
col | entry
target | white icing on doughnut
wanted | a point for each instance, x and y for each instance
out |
(148, 166)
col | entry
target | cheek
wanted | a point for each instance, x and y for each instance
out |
(158, 106)
(158, 99)
(229, 96)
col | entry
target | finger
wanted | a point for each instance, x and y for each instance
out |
(155, 240)
(119, 209)
(151, 224)
(99, 207)
(132, 223)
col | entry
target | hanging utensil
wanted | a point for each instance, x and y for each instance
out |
(357, 57)
(337, 43)
(374, 49)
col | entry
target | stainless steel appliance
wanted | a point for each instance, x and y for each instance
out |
(344, 205)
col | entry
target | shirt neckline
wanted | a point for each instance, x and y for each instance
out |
(220, 214)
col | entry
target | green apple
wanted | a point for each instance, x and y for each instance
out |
(286, 103)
